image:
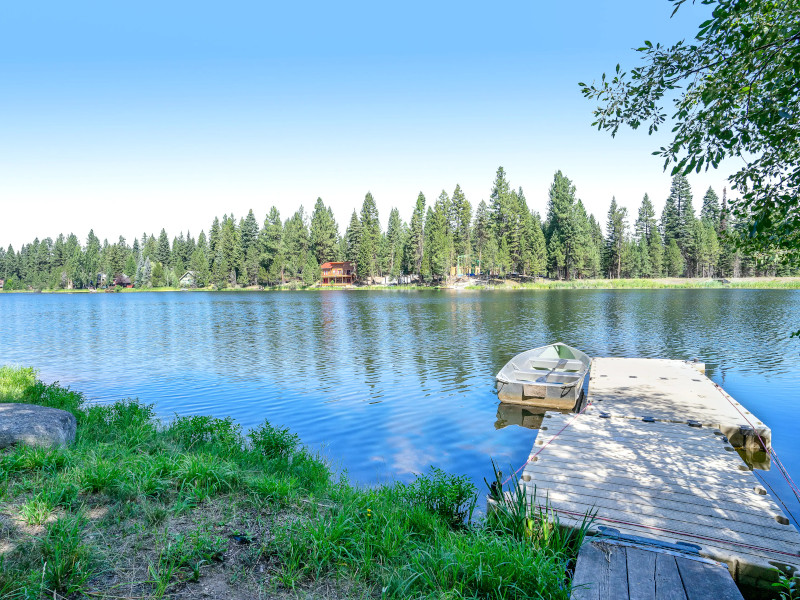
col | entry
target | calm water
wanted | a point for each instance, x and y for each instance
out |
(387, 383)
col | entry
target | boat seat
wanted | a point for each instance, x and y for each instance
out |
(540, 375)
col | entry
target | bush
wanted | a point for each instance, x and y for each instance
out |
(14, 381)
(203, 431)
(273, 442)
(54, 396)
(452, 497)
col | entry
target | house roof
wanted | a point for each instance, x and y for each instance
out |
(329, 265)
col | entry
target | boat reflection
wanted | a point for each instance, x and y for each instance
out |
(529, 417)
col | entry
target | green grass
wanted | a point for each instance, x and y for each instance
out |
(138, 508)
(760, 283)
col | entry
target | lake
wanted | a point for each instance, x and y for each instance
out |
(385, 383)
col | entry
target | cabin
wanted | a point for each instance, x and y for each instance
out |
(2, 283)
(338, 273)
(189, 279)
(123, 280)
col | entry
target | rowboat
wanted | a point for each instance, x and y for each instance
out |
(551, 377)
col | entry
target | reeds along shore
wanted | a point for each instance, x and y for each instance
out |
(139, 508)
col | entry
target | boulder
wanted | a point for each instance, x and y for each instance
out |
(35, 425)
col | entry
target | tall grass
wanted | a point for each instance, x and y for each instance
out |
(404, 540)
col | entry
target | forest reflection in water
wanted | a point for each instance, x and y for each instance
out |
(386, 383)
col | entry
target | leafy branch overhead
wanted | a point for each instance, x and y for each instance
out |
(734, 91)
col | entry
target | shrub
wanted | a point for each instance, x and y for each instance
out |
(273, 442)
(54, 396)
(66, 559)
(14, 381)
(207, 474)
(452, 497)
(204, 431)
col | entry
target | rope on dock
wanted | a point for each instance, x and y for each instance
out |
(530, 458)
(770, 450)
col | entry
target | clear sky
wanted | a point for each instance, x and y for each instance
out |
(126, 117)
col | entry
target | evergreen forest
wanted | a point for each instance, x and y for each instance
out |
(503, 238)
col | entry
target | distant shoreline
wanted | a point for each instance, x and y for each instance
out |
(765, 283)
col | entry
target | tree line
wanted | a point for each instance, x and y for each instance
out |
(502, 237)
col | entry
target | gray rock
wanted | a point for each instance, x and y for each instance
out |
(35, 425)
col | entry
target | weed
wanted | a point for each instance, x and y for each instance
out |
(14, 381)
(67, 560)
(273, 442)
(274, 489)
(24, 458)
(183, 556)
(54, 396)
(451, 497)
(206, 473)
(788, 586)
(210, 432)
(521, 517)
(36, 511)
(62, 493)
(99, 474)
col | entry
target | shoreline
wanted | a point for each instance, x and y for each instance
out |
(754, 283)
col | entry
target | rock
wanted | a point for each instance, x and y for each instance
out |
(35, 425)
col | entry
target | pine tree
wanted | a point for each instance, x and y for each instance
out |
(417, 235)
(646, 221)
(324, 233)
(710, 211)
(369, 243)
(271, 258)
(562, 231)
(352, 239)
(91, 258)
(462, 226)
(248, 232)
(394, 243)
(213, 235)
(230, 244)
(296, 244)
(677, 221)
(438, 243)
(163, 250)
(656, 252)
(147, 273)
(615, 238)
(674, 263)
(481, 233)
(534, 259)
(220, 272)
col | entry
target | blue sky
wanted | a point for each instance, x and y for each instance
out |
(130, 118)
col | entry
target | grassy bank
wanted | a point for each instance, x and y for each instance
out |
(138, 509)
(754, 283)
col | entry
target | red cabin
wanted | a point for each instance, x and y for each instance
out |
(338, 273)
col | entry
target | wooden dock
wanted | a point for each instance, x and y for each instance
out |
(673, 391)
(618, 570)
(651, 457)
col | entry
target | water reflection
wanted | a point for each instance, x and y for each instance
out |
(386, 383)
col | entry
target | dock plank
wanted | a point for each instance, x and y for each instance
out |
(701, 582)
(693, 493)
(669, 585)
(641, 573)
(670, 391)
(609, 569)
